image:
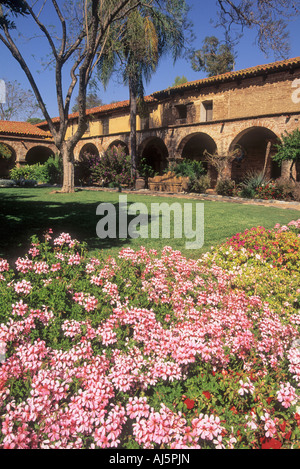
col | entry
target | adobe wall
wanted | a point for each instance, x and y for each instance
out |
(21, 146)
(246, 111)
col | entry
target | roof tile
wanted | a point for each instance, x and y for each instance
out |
(229, 76)
(22, 128)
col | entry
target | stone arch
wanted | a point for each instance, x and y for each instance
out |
(155, 153)
(193, 146)
(89, 149)
(7, 163)
(119, 143)
(252, 143)
(38, 154)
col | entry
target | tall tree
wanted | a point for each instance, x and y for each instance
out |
(92, 100)
(214, 58)
(20, 104)
(137, 45)
(180, 80)
(84, 27)
(269, 19)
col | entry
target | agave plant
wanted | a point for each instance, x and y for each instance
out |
(252, 181)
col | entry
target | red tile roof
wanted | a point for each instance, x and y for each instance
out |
(231, 76)
(22, 128)
(99, 110)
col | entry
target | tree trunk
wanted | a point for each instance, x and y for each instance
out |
(267, 157)
(133, 112)
(68, 169)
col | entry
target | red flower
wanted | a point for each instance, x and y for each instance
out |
(287, 436)
(206, 394)
(282, 426)
(189, 403)
(270, 443)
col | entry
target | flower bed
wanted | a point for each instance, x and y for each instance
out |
(152, 351)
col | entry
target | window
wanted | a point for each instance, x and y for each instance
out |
(181, 111)
(105, 126)
(206, 111)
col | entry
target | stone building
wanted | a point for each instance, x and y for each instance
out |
(27, 143)
(244, 109)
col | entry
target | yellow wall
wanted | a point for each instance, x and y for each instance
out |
(119, 124)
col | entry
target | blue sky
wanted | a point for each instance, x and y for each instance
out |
(248, 55)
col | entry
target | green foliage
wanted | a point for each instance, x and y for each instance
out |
(5, 152)
(289, 148)
(54, 170)
(180, 81)
(226, 187)
(17, 7)
(199, 181)
(199, 184)
(49, 172)
(251, 183)
(144, 169)
(214, 58)
(189, 168)
(111, 169)
(35, 172)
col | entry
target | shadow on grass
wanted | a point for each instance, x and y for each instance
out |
(23, 216)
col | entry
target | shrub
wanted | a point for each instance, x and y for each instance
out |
(200, 184)
(269, 191)
(189, 168)
(83, 169)
(7, 183)
(296, 191)
(289, 148)
(251, 183)
(144, 169)
(29, 173)
(5, 152)
(226, 187)
(50, 172)
(112, 167)
(54, 170)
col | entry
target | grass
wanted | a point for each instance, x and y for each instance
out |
(25, 212)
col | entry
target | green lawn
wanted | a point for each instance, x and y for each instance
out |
(25, 212)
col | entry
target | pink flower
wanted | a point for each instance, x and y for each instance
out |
(23, 287)
(270, 425)
(55, 267)
(246, 387)
(287, 395)
(4, 265)
(41, 268)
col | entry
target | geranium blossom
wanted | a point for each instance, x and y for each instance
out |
(103, 353)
